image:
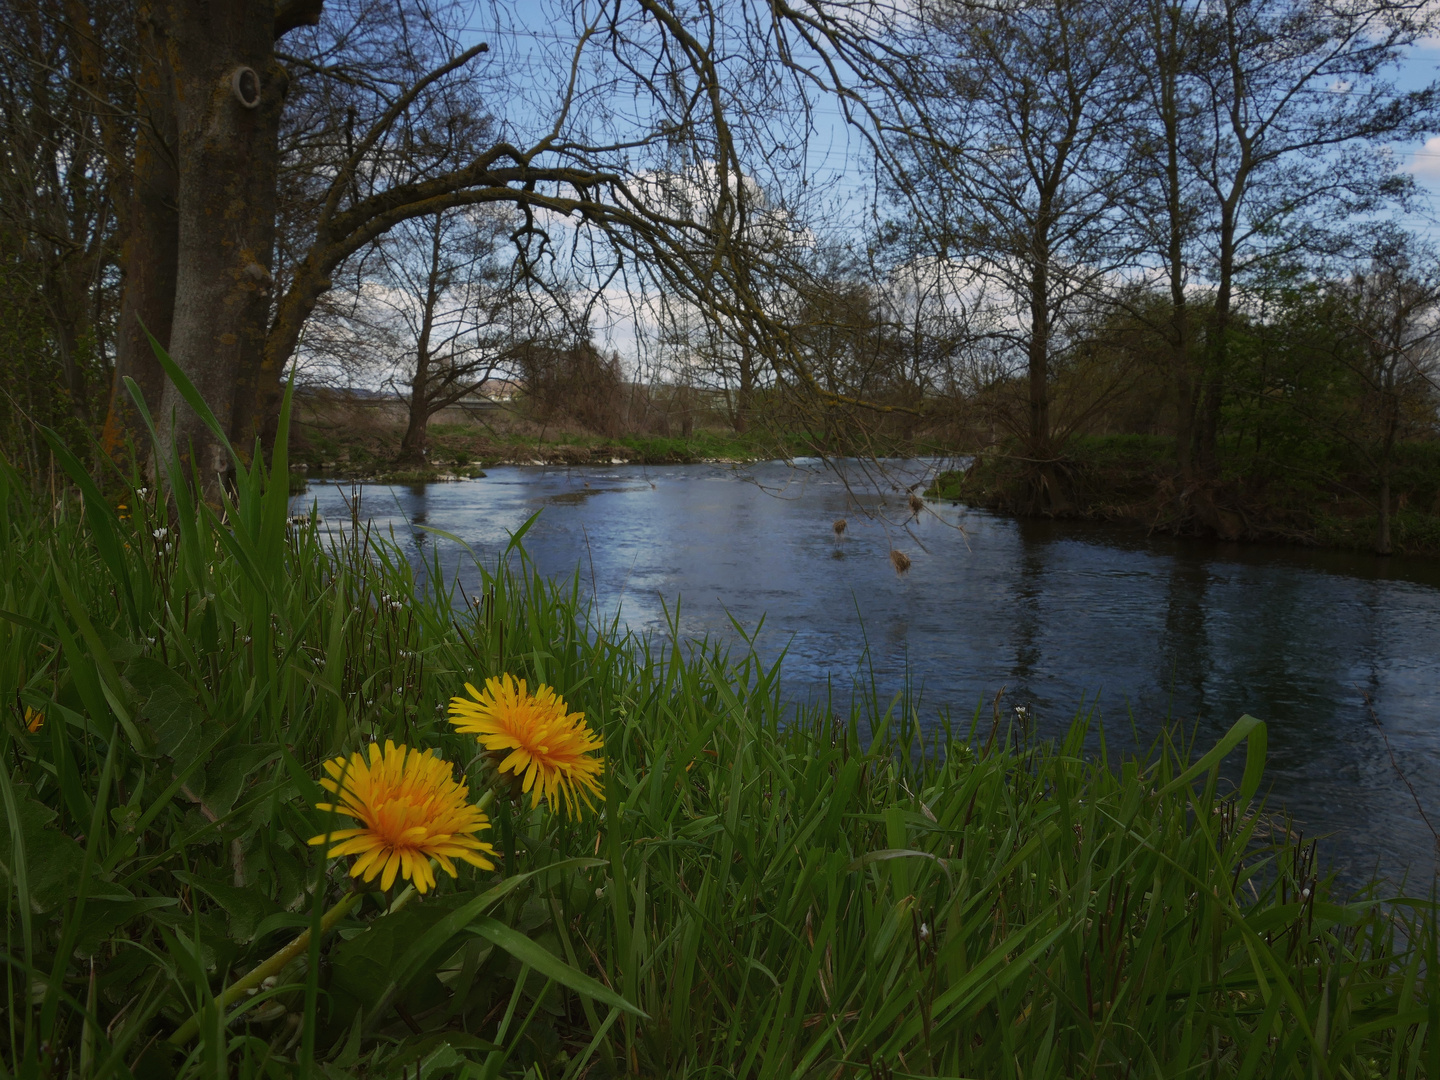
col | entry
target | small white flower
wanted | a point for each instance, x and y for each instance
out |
(924, 931)
(160, 533)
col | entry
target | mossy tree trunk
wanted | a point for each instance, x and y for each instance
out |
(151, 245)
(229, 90)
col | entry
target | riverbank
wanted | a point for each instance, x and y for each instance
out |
(1132, 479)
(351, 442)
(761, 891)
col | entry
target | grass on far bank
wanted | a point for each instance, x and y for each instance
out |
(336, 439)
(767, 892)
(1320, 498)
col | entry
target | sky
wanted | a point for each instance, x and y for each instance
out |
(1422, 160)
(532, 51)
(531, 43)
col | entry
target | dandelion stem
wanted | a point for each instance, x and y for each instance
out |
(272, 966)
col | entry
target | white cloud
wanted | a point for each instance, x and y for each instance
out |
(1425, 163)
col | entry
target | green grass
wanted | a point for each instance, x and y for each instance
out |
(768, 891)
(368, 450)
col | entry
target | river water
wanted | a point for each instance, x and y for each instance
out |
(1338, 652)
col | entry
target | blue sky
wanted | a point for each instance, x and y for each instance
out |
(529, 47)
(1423, 160)
(530, 57)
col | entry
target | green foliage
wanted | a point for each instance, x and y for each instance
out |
(1292, 488)
(768, 891)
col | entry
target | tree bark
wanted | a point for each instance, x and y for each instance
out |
(1168, 57)
(229, 92)
(1047, 491)
(1207, 433)
(413, 446)
(1038, 363)
(151, 246)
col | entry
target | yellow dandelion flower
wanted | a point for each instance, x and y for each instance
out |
(533, 736)
(409, 809)
(34, 721)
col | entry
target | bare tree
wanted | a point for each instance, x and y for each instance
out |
(1295, 101)
(1391, 310)
(1015, 143)
(64, 140)
(1162, 206)
(718, 93)
(436, 308)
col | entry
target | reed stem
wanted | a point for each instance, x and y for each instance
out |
(276, 964)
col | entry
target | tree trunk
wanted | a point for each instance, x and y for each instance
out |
(151, 244)
(1382, 531)
(415, 445)
(1038, 363)
(1047, 491)
(1390, 405)
(309, 281)
(1207, 434)
(229, 92)
(1182, 377)
(744, 396)
(412, 447)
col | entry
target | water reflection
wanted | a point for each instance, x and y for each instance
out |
(1157, 631)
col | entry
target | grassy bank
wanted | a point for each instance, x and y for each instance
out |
(1323, 499)
(334, 439)
(763, 892)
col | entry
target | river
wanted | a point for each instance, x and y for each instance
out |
(1338, 652)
